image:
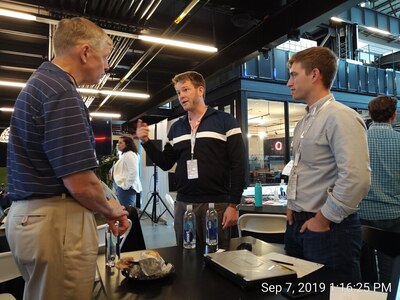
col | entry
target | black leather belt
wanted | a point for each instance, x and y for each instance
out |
(302, 216)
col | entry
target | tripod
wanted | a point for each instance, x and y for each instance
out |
(154, 197)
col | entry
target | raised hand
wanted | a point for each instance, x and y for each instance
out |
(142, 131)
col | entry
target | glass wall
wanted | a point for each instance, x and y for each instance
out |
(267, 139)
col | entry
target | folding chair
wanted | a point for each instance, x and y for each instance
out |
(267, 227)
(9, 269)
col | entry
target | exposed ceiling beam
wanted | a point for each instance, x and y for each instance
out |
(300, 14)
(390, 59)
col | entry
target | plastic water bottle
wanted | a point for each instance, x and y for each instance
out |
(258, 194)
(282, 188)
(276, 194)
(189, 228)
(212, 225)
(111, 247)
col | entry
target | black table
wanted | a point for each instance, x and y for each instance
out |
(196, 281)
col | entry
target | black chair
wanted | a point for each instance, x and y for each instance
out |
(386, 242)
(381, 240)
(134, 241)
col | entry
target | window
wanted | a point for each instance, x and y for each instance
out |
(266, 137)
(266, 133)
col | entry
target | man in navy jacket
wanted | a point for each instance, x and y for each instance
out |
(207, 146)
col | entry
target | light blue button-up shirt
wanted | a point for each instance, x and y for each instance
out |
(333, 173)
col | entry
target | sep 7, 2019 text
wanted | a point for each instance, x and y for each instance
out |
(300, 287)
(320, 287)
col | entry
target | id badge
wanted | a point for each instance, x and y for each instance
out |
(192, 170)
(288, 168)
(292, 185)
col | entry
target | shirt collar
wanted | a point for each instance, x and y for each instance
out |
(50, 66)
(381, 126)
(210, 110)
(319, 103)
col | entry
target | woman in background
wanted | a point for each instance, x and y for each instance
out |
(126, 173)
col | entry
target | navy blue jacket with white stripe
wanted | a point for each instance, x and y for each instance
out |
(219, 150)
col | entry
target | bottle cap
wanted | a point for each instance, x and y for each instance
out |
(189, 207)
(210, 205)
(282, 180)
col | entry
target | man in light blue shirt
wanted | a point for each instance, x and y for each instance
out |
(330, 174)
(381, 207)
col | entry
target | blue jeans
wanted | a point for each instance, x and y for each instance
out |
(126, 197)
(339, 248)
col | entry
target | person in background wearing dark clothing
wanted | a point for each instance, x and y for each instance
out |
(51, 159)
(330, 173)
(381, 207)
(209, 142)
(126, 173)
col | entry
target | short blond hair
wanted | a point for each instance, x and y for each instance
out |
(77, 31)
(196, 78)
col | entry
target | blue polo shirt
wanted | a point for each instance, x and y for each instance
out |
(50, 135)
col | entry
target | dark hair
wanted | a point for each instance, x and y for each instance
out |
(130, 144)
(382, 108)
(321, 58)
(196, 78)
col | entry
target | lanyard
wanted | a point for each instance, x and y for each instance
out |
(306, 127)
(192, 143)
(193, 133)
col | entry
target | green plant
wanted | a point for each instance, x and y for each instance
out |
(105, 164)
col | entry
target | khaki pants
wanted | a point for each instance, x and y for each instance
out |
(54, 242)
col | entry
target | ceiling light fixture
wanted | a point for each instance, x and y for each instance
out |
(86, 91)
(12, 84)
(175, 43)
(336, 19)
(105, 115)
(17, 15)
(94, 114)
(377, 30)
(156, 40)
(7, 109)
(114, 93)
